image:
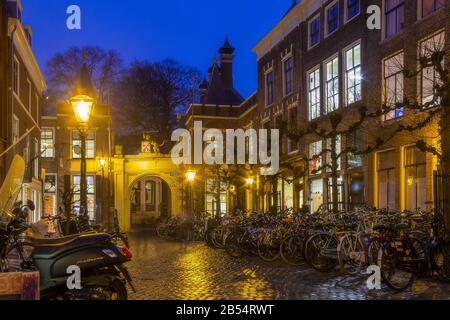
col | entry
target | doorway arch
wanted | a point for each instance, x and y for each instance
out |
(150, 200)
(128, 170)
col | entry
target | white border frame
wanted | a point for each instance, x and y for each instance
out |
(283, 76)
(346, 19)
(325, 30)
(344, 66)
(314, 18)
(308, 73)
(266, 92)
(324, 81)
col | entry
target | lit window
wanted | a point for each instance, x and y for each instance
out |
(314, 32)
(353, 74)
(216, 197)
(353, 8)
(269, 88)
(429, 76)
(47, 143)
(430, 6)
(50, 189)
(386, 180)
(393, 86)
(76, 144)
(314, 94)
(332, 14)
(394, 17)
(332, 85)
(315, 157)
(288, 76)
(415, 179)
(90, 195)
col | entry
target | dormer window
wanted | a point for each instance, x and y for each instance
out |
(332, 17)
(314, 31)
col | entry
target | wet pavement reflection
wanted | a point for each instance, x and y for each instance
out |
(165, 270)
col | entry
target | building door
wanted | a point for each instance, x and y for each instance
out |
(146, 199)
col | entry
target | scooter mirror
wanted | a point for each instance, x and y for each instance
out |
(30, 205)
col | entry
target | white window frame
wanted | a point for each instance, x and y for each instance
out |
(344, 68)
(318, 150)
(266, 89)
(56, 183)
(283, 62)
(346, 18)
(16, 76)
(325, 82)
(308, 74)
(95, 145)
(314, 18)
(385, 93)
(328, 7)
(53, 138)
(419, 48)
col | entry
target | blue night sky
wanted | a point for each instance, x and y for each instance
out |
(188, 31)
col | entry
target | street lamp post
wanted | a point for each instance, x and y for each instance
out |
(190, 177)
(82, 106)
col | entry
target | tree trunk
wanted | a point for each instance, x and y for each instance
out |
(334, 177)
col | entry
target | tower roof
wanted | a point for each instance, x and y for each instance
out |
(227, 48)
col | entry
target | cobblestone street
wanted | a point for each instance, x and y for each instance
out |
(166, 270)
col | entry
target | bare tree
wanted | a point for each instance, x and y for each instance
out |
(63, 70)
(149, 95)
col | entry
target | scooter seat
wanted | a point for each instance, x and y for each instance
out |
(49, 248)
(53, 242)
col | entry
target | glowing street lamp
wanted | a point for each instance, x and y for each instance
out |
(82, 107)
(249, 181)
(190, 176)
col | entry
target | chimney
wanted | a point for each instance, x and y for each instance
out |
(203, 90)
(226, 63)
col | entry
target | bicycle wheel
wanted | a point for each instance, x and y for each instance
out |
(351, 250)
(439, 258)
(233, 245)
(217, 238)
(291, 250)
(321, 252)
(389, 261)
(267, 248)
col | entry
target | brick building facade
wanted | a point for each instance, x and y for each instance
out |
(320, 60)
(21, 108)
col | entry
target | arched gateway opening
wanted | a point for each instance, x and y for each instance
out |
(150, 201)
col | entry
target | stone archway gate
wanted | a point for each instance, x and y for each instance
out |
(129, 169)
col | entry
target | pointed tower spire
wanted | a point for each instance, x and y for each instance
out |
(226, 63)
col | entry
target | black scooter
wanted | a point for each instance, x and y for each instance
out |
(103, 275)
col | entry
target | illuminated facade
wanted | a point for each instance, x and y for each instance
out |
(60, 148)
(320, 60)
